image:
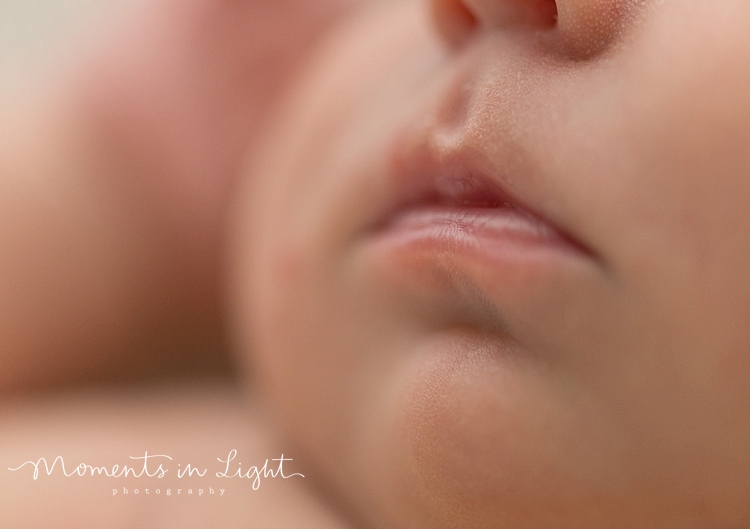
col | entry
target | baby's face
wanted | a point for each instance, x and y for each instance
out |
(505, 282)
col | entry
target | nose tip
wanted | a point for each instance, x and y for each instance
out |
(580, 28)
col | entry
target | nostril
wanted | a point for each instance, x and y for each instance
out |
(544, 13)
(457, 20)
(514, 13)
(454, 20)
(582, 28)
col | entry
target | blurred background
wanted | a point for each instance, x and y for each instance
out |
(42, 42)
(35, 34)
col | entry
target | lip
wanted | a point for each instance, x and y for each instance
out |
(454, 236)
(487, 231)
(443, 200)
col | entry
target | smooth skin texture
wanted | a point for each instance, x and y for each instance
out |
(437, 384)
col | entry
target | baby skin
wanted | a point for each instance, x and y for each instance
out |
(494, 274)
(487, 266)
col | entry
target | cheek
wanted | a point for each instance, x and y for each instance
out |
(293, 350)
(309, 332)
(674, 183)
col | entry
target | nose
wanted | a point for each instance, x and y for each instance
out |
(579, 28)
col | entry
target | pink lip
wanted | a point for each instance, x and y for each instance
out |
(444, 202)
(485, 229)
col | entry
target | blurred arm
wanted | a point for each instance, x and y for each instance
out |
(191, 424)
(114, 186)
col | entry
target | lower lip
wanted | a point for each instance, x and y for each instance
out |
(491, 233)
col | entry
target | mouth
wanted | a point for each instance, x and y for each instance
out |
(468, 213)
(453, 228)
(447, 204)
